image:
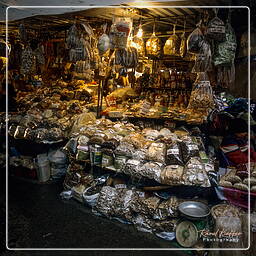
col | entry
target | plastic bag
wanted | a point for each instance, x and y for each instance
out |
(132, 168)
(183, 45)
(225, 51)
(152, 170)
(174, 154)
(120, 31)
(202, 95)
(172, 44)
(153, 46)
(167, 209)
(189, 150)
(195, 40)
(172, 175)
(156, 152)
(125, 149)
(103, 43)
(195, 174)
(105, 201)
(203, 59)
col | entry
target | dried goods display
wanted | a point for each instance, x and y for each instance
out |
(132, 117)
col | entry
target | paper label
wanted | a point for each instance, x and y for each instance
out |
(120, 186)
(173, 151)
(217, 29)
(193, 147)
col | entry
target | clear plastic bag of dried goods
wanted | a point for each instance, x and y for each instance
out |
(167, 209)
(105, 201)
(145, 205)
(150, 134)
(110, 144)
(225, 51)
(202, 94)
(143, 223)
(189, 149)
(152, 170)
(172, 175)
(195, 40)
(203, 59)
(174, 154)
(172, 44)
(153, 46)
(136, 139)
(216, 29)
(122, 206)
(139, 154)
(156, 152)
(226, 75)
(132, 168)
(195, 174)
(125, 149)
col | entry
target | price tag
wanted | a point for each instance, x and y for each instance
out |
(120, 186)
(173, 151)
(217, 29)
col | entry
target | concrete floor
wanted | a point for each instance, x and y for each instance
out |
(38, 218)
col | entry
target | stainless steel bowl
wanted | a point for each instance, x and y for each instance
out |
(194, 210)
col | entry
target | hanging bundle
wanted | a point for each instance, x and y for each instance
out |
(183, 43)
(216, 28)
(203, 59)
(104, 41)
(27, 59)
(172, 44)
(23, 33)
(195, 40)
(225, 51)
(73, 36)
(120, 31)
(127, 58)
(39, 54)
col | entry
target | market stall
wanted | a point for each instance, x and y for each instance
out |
(130, 107)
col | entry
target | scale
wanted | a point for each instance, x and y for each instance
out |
(186, 233)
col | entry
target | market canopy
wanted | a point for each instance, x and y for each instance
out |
(23, 12)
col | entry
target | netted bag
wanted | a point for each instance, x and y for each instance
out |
(153, 46)
(225, 51)
(172, 44)
(216, 29)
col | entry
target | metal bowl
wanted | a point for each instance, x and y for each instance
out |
(194, 210)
